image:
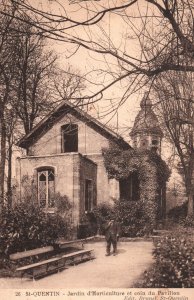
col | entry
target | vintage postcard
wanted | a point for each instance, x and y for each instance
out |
(96, 149)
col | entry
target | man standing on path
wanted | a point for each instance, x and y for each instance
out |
(111, 235)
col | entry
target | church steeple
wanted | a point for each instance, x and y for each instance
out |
(146, 133)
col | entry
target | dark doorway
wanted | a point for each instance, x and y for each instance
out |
(129, 188)
(162, 203)
(88, 195)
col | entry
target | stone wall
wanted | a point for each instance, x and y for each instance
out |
(89, 140)
(26, 171)
(70, 171)
(106, 189)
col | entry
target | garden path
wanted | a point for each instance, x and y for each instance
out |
(120, 271)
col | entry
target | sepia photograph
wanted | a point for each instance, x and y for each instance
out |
(97, 149)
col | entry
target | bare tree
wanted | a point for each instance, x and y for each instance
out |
(29, 78)
(12, 134)
(34, 69)
(68, 84)
(158, 37)
(149, 24)
(176, 110)
(7, 72)
(40, 84)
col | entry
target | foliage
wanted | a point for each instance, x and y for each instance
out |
(62, 204)
(152, 174)
(26, 227)
(130, 215)
(120, 164)
(174, 266)
(88, 226)
(132, 218)
(178, 216)
(162, 169)
(102, 213)
(189, 221)
(178, 213)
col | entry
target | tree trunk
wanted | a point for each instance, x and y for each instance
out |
(2, 162)
(190, 204)
(190, 174)
(189, 191)
(9, 176)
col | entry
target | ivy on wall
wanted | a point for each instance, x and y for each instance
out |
(151, 170)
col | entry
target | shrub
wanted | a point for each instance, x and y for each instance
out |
(174, 266)
(88, 226)
(132, 217)
(189, 221)
(63, 205)
(130, 214)
(27, 227)
(152, 173)
(178, 213)
(102, 213)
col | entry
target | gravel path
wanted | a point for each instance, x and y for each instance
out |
(119, 271)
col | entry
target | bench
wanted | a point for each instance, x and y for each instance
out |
(52, 265)
(63, 244)
(31, 253)
(40, 268)
(80, 255)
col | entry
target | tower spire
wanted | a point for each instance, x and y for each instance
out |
(146, 102)
(146, 132)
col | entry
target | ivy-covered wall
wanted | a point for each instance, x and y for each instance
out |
(152, 174)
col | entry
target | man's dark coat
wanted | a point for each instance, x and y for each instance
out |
(112, 231)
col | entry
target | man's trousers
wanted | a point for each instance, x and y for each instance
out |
(114, 244)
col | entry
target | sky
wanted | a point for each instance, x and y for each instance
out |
(120, 34)
(88, 62)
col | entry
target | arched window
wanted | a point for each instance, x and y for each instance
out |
(69, 138)
(144, 143)
(155, 144)
(46, 187)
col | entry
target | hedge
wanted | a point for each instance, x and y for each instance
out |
(174, 262)
(27, 227)
(134, 222)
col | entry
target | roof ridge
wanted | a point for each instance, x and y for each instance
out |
(25, 141)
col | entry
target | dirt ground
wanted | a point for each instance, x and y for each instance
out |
(120, 271)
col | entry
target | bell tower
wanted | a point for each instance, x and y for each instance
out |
(146, 133)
